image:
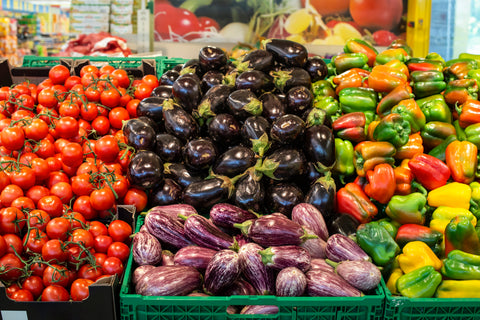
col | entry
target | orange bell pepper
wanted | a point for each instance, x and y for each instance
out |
(381, 183)
(384, 78)
(461, 159)
(414, 146)
(469, 113)
(403, 180)
(354, 77)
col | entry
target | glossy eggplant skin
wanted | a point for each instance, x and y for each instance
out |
(299, 99)
(253, 80)
(169, 281)
(168, 192)
(261, 277)
(146, 249)
(212, 58)
(281, 257)
(223, 269)
(243, 104)
(187, 91)
(287, 53)
(291, 282)
(204, 194)
(194, 256)
(204, 233)
(192, 66)
(317, 68)
(167, 229)
(320, 146)
(283, 197)
(322, 196)
(151, 107)
(234, 161)
(287, 78)
(163, 92)
(225, 215)
(259, 60)
(309, 216)
(329, 284)
(284, 164)
(174, 210)
(168, 77)
(214, 101)
(168, 147)
(253, 128)
(210, 79)
(180, 174)
(145, 170)
(140, 272)
(250, 192)
(199, 154)
(288, 129)
(344, 224)
(139, 135)
(224, 130)
(273, 106)
(341, 248)
(179, 122)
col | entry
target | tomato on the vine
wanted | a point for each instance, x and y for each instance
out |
(59, 74)
(12, 220)
(12, 267)
(66, 127)
(113, 265)
(56, 274)
(106, 148)
(79, 290)
(102, 243)
(119, 250)
(72, 154)
(110, 98)
(132, 107)
(101, 125)
(34, 240)
(36, 130)
(54, 251)
(122, 77)
(72, 81)
(102, 199)
(83, 206)
(58, 228)
(82, 236)
(87, 271)
(22, 295)
(14, 243)
(119, 230)
(55, 293)
(34, 284)
(12, 138)
(89, 68)
(150, 80)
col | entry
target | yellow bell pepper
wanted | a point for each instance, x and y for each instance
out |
(443, 215)
(458, 289)
(392, 280)
(455, 194)
(417, 254)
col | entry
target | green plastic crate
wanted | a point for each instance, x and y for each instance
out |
(168, 64)
(138, 307)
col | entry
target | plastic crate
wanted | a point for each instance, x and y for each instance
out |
(134, 306)
(168, 64)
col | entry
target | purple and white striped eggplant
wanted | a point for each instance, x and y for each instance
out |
(146, 249)
(225, 215)
(197, 294)
(224, 268)
(286, 256)
(316, 247)
(194, 256)
(259, 275)
(167, 258)
(176, 210)
(239, 288)
(257, 309)
(205, 234)
(329, 284)
(340, 248)
(363, 275)
(291, 282)
(321, 264)
(167, 229)
(140, 272)
(169, 281)
(307, 215)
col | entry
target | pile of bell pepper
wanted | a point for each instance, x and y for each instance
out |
(407, 137)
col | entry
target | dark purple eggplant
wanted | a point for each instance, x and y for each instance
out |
(254, 132)
(204, 233)
(187, 91)
(224, 130)
(249, 191)
(140, 272)
(317, 68)
(253, 80)
(194, 256)
(192, 66)
(320, 146)
(222, 270)
(239, 288)
(151, 107)
(287, 78)
(291, 282)
(308, 178)
(259, 60)
(283, 164)
(168, 192)
(283, 197)
(169, 77)
(309, 216)
(181, 174)
(261, 277)
(329, 284)
(145, 170)
(225, 215)
(287, 129)
(259, 309)
(316, 247)
(178, 67)
(299, 99)
(315, 117)
(234, 161)
(204, 194)
(199, 154)
(344, 224)
(363, 275)
(156, 126)
(146, 249)
(167, 258)
(175, 210)
(169, 281)
(287, 53)
(322, 196)
(179, 122)
(167, 229)
(321, 264)
(210, 79)
(281, 257)
(212, 58)
(139, 135)
(243, 104)
(168, 147)
(273, 106)
(214, 101)
(340, 248)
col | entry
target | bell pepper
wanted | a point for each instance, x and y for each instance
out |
(377, 243)
(414, 146)
(354, 45)
(461, 158)
(429, 171)
(420, 283)
(327, 103)
(469, 113)
(380, 183)
(472, 133)
(393, 128)
(435, 56)
(454, 194)
(402, 92)
(474, 74)
(460, 132)
(392, 280)
(442, 216)
(417, 254)
(427, 83)
(358, 99)
(465, 55)
(401, 43)
(421, 64)
(459, 68)
(384, 78)
(459, 91)
(415, 232)
(399, 66)
(346, 61)
(435, 132)
(352, 200)
(460, 234)
(391, 54)
(435, 108)
(390, 225)
(323, 88)
(344, 158)
(351, 78)
(458, 289)
(367, 154)
(407, 209)
(350, 126)
(410, 110)
(475, 199)
(439, 151)
(460, 265)
(403, 180)
(371, 128)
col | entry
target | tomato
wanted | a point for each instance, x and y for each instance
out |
(13, 138)
(93, 94)
(45, 149)
(207, 24)
(89, 148)
(37, 269)
(142, 91)
(25, 102)
(11, 266)
(82, 205)
(101, 125)
(117, 116)
(375, 15)
(100, 258)
(79, 290)
(384, 37)
(59, 74)
(111, 167)
(34, 240)
(14, 243)
(137, 198)
(169, 19)
(26, 158)
(89, 69)
(10, 290)
(72, 154)
(106, 148)
(47, 98)
(102, 199)
(120, 185)
(4, 180)
(71, 81)
(22, 295)
(122, 77)
(55, 177)
(38, 219)
(23, 203)
(24, 178)
(151, 80)
(3, 246)
(77, 256)
(37, 192)
(87, 271)
(125, 98)
(89, 79)
(107, 69)
(56, 274)
(55, 293)
(54, 251)
(81, 185)
(58, 228)
(119, 250)
(113, 265)
(102, 111)
(67, 108)
(66, 127)
(119, 230)
(34, 284)
(63, 190)
(40, 169)
(76, 219)
(97, 228)
(132, 107)
(87, 167)
(12, 220)
(10, 193)
(102, 243)
(36, 130)
(82, 236)
(110, 98)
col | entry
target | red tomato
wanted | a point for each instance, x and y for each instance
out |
(97, 228)
(82, 236)
(120, 185)
(25, 102)
(12, 220)
(117, 116)
(47, 98)
(89, 69)
(12, 289)
(23, 203)
(72, 81)
(22, 295)
(93, 94)
(56, 274)
(102, 199)
(58, 228)
(34, 284)
(106, 148)
(89, 111)
(70, 109)
(3, 246)
(375, 15)
(87, 271)
(110, 98)
(82, 205)
(79, 290)
(119, 250)
(87, 167)
(34, 240)
(102, 243)
(106, 69)
(24, 178)
(101, 125)
(40, 169)
(100, 258)
(119, 230)
(151, 80)
(12, 138)
(177, 20)
(14, 243)
(207, 24)
(384, 37)
(37, 192)
(122, 77)
(59, 74)
(76, 219)
(327, 7)
(37, 269)
(38, 219)
(55, 293)
(125, 97)
(81, 185)
(142, 91)
(132, 107)
(113, 265)
(45, 149)
(54, 251)
(72, 154)
(51, 204)
(36, 130)
(89, 79)
(136, 197)
(66, 127)
(11, 267)
(63, 190)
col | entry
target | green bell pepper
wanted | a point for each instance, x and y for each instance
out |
(377, 242)
(407, 209)
(346, 61)
(472, 133)
(327, 103)
(436, 57)
(323, 88)
(460, 234)
(435, 132)
(412, 113)
(475, 202)
(344, 154)
(419, 283)
(390, 225)
(393, 128)
(439, 151)
(461, 265)
(358, 99)
(474, 74)
(391, 54)
(427, 83)
(435, 108)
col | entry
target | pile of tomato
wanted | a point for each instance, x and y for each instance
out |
(63, 163)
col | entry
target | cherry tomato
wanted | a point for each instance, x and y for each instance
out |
(59, 74)
(101, 125)
(110, 98)
(11, 267)
(132, 107)
(58, 228)
(119, 230)
(36, 130)
(142, 91)
(3, 246)
(72, 154)
(70, 109)
(47, 97)
(14, 243)
(34, 240)
(106, 148)
(12, 220)
(24, 178)
(102, 199)
(89, 69)
(87, 271)
(113, 265)
(376, 15)
(22, 295)
(137, 198)
(79, 290)
(55, 293)
(34, 284)
(107, 69)
(54, 251)
(10, 193)
(117, 116)
(119, 250)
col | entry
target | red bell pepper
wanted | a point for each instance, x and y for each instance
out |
(381, 183)
(351, 126)
(402, 92)
(429, 171)
(353, 201)
(469, 113)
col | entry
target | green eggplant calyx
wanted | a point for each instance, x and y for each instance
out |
(254, 107)
(168, 105)
(280, 78)
(205, 109)
(332, 263)
(267, 256)
(166, 168)
(230, 79)
(243, 66)
(315, 117)
(244, 227)
(187, 70)
(261, 145)
(268, 168)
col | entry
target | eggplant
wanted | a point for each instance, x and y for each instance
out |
(181, 174)
(283, 197)
(309, 216)
(222, 270)
(320, 146)
(321, 264)
(224, 130)
(187, 91)
(259, 59)
(214, 101)
(151, 107)
(167, 258)
(283, 164)
(243, 104)
(287, 78)
(178, 67)
(204, 194)
(234, 161)
(199, 154)
(140, 272)
(168, 78)
(315, 247)
(316, 117)
(210, 79)
(287, 53)
(329, 284)
(344, 224)
(175, 210)
(168, 147)
(197, 294)
(167, 229)
(291, 282)
(169, 281)
(253, 80)
(139, 135)
(317, 68)
(363, 275)
(168, 192)
(254, 270)
(145, 170)
(281, 257)
(340, 248)
(273, 106)
(308, 178)
(322, 196)
(192, 66)
(146, 249)
(259, 309)
(194, 256)
(212, 58)
(204, 233)
(288, 129)
(299, 99)
(225, 215)
(179, 122)
(249, 191)
(254, 133)
(239, 288)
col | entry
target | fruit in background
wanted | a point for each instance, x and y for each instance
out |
(384, 37)
(171, 20)
(328, 7)
(236, 31)
(339, 34)
(332, 23)
(208, 24)
(298, 22)
(277, 30)
(376, 15)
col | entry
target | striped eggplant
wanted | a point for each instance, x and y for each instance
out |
(140, 272)
(205, 234)
(286, 256)
(329, 284)
(194, 256)
(167, 229)
(316, 247)
(340, 248)
(175, 210)
(169, 281)
(291, 282)
(197, 294)
(146, 249)
(222, 270)
(321, 264)
(363, 275)
(259, 275)
(258, 309)
(309, 216)
(167, 258)
(225, 215)
(239, 288)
